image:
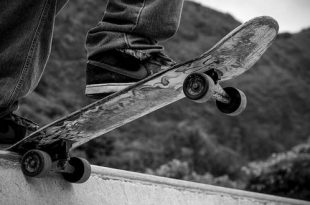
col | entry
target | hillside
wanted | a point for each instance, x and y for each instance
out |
(276, 118)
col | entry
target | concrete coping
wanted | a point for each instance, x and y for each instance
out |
(115, 187)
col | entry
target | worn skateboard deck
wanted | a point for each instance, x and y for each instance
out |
(233, 55)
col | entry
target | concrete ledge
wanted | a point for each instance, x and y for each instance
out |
(116, 187)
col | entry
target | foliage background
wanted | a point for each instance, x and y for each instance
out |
(265, 149)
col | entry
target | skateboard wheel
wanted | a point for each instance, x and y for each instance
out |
(198, 87)
(36, 163)
(81, 173)
(237, 102)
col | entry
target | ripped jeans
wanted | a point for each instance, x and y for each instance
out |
(26, 28)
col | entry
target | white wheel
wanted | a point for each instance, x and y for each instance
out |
(237, 102)
(36, 163)
(198, 87)
(81, 173)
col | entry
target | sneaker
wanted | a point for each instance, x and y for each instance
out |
(14, 128)
(117, 70)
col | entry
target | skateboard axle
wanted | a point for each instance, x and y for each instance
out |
(220, 94)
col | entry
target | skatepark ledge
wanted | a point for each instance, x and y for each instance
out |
(116, 187)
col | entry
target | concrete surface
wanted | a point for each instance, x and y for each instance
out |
(116, 187)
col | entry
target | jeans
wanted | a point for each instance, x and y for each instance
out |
(26, 28)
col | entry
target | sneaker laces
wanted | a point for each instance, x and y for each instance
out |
(160, 58)
(157, 58)
(158, 61)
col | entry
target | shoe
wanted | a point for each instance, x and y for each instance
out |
(14, 128)
(116, 70)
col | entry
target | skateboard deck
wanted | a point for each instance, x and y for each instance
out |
(230, 57)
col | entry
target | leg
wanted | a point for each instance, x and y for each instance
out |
(134, 24)
(128, 31)
(26, 31)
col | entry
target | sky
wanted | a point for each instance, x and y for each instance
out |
(292, 15)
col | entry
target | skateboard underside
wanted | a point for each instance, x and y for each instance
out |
(233, 55)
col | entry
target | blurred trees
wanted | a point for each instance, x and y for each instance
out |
(181, 170)
(285, 174)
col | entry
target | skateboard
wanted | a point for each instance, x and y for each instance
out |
(48, 149)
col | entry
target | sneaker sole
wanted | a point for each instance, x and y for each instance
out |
(107, 88)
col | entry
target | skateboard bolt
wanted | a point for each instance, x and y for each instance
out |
(195, 85)
(32, 163)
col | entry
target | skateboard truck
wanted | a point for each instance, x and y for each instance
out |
(38, 163)
(201, 87)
